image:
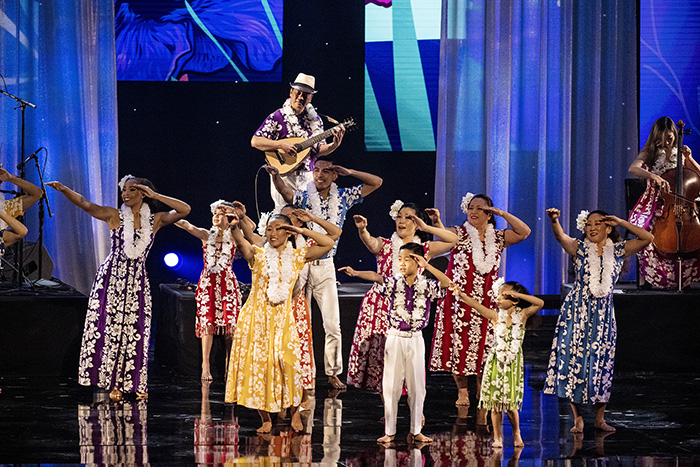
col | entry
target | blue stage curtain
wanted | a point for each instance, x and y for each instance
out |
(59, 55)
(538, 109)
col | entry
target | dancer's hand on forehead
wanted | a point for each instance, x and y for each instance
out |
(342, 171)
(302, 215)
(422, 262)
(145, 190)
(290, 228)
(420, 225)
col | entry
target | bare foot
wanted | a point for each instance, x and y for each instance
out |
(497, 443)
(462, 397)
(297, 425)
(420, 438)
(386, 439)
(518, 441)
(206, 374)
(141, 396)
(116, 395)
(265, 428)
(578, 425)
(602, 426)
(336, 382)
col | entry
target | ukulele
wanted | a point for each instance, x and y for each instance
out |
(286, 163)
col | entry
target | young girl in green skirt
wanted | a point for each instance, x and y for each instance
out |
(502, 384)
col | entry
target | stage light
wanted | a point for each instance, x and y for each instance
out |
(171, 260)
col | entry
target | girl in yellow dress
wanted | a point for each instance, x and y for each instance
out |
(264, 367)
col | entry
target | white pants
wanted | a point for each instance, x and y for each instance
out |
(321, 286)
(296, 180)
(404, 360)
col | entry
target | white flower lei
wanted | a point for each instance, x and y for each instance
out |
(395, 208)
(262, 223)
(662, 164)
(280, 273)
(466, 199)
(420, 285)
(581, 220)
(396, 244)
(507, 351)
(312, 123)
(314, 202)
(601, 283)
(214, 264)
(134, 247)
(483, 263)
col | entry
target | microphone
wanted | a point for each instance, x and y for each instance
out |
(33, 156)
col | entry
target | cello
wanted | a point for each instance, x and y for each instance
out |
(677, 231)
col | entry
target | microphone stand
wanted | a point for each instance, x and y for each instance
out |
(22, 104)
(41, 217)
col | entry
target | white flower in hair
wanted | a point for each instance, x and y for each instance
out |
(581, 220)
(466, 199)
(125, 179)
(262, 223)
(216, 204)
(496, 287)
(395, 208)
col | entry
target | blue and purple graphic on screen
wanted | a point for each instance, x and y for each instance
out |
(669, 57)
(402, 51)
(199, 40)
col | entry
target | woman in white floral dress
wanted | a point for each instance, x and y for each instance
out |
(581, 362)
(114, 351)
(462, 339)
(503, 382)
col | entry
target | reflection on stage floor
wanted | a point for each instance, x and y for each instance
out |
(55, 420)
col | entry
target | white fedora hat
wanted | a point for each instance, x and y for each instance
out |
(304, 83)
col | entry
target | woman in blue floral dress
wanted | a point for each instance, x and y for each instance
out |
(114, 351)
(583, 351)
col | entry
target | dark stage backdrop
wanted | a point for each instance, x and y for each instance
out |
(192, 139)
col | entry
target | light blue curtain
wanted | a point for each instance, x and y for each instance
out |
(538, 109)
(59, 55)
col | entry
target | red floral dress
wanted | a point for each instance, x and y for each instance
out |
(218, 299)
(462, 337)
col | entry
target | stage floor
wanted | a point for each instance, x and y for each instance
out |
(53, 420)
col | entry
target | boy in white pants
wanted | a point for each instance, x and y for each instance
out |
(404, 352)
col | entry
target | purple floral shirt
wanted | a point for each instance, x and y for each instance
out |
(284, 123)
(419, 320)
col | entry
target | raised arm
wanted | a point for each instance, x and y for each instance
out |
(569, 244)
(281, 187)
(481, 309)
(104, 213)
(365, 275)
(242, 244)
(643, 239)
(518, 231)
(331, 229)
(448, 239)
(439, 275)
(18, 231)
(179, 208)
(373, 244)
(439, 247)
(200, 233)
(536, 302)
(324, 243)
(33, 191)
(369, 182)
(246, 224)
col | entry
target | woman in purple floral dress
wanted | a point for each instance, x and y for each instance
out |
(114, 351)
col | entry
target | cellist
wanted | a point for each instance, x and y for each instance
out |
(657, 157)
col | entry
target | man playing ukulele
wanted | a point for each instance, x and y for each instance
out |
(296, 118)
